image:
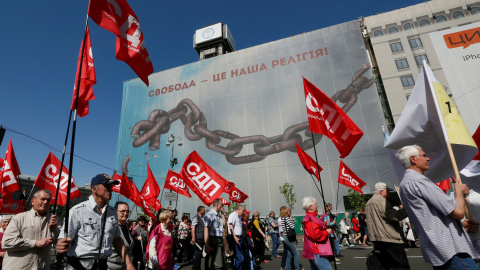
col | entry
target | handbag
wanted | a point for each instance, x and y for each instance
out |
(410, 236)
(291, 234)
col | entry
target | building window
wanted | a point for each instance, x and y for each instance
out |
(424, 22)
(407, 81)
(475, 10)
(392, 30)
(408, 26)
(396, 47)
(458, 14)
(419, 59)
(415, 43)
(378, 33)
(441, 18)
(401, 63)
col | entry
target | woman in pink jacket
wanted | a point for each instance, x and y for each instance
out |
(317, 246)
(160, 244)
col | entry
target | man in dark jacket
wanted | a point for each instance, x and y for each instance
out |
(198, 239)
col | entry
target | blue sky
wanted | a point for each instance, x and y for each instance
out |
(40, 44)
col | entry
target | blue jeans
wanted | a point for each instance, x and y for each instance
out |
(291, 250)
(320, 263)
(459, 261)
(337, 247)
(275, 242)
(238, 251)
(284, 256)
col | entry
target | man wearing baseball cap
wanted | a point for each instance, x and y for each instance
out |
(384, 228)
(93, 230)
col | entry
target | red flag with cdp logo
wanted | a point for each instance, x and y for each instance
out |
(327, 118)
(118, 17)
(87, 80)
(228, 187)
(226, 202)
(11, 206)
(202, 179)
(48, 179)
(8, 181)
(308, 163)
(348, 178)
(175, 183)
(150, 189)
(237, 195)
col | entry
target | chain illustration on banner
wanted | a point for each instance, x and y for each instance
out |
(159, 122)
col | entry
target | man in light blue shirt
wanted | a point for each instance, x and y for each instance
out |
(213, 233)
(93, 229)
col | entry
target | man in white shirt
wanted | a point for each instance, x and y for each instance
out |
(235, 236)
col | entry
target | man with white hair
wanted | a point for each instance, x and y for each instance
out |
(28, 237)
(384, 228)
(436, 216)
(235, 239)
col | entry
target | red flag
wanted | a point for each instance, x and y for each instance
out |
(228, 187)
(308, 163)
(118, 17)
(136, 198)
(444, 185)
(476, 139)
(202, 179)
(146, 209)
(225, 202)
(48, 179)
(237, 195)
(150, 189)
(327, 118)
(125, 187)
(11, 206)
(158, 205)
(175, 183)
(11, 170)
(88, 78)
(348, 178)
(118, 177)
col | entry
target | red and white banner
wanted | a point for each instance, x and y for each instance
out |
(348, 178)
(150, 189)
(11, 206)
(8, 181)
(175, 183)
(237, 195)
(226, 202)
(118, 17)
(202, 179)
(308, 163)
(228, 187)
(48, 179)
(88, 78)
(116, 188)
(327, 118)
(158, 205)
(146, 209)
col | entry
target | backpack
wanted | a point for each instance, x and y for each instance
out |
(290, 232)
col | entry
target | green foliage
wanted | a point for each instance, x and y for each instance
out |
(290, 196)
(356, 199)
(233, 207)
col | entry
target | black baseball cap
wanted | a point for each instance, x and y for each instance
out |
(103, 179)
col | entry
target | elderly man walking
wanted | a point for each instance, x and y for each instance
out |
(435, 216)
(384, 228)
(93, 230)
(28, 238)
(235, 239)
(213, 234)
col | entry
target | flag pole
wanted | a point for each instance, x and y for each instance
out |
(313, 179)
(457, 177)
(61, 164)
(318, 168)
(72, 144)
(336, 202)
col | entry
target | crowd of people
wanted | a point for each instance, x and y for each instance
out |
(100, 236)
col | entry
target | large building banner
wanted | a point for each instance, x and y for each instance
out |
(458, 50)
(243, 112)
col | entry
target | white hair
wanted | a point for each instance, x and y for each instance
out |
(307, 202)
(404, 154)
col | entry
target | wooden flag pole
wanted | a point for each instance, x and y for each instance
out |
(72, 144)
(457, 176)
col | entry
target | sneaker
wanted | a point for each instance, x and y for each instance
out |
(278, 256)
(266, 261)
(352, 245)
(363, 245)
(175, 267)
(337, 260)
(340, 245)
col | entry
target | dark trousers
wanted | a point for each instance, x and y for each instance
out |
(197, 262)
(218, 254)
(259, 249)
(393, 255)
(185, 250)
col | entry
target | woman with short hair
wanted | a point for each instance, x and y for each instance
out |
(258, 235)
(160, 244)
(274, 233)
(316, 246)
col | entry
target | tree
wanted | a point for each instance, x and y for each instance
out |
(290, 196)
(356, 199)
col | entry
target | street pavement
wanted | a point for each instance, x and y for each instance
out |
(353, 258)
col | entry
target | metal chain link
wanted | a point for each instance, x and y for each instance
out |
(159, 122)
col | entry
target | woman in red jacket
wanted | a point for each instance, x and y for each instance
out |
(317, 246)
(356, 229)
